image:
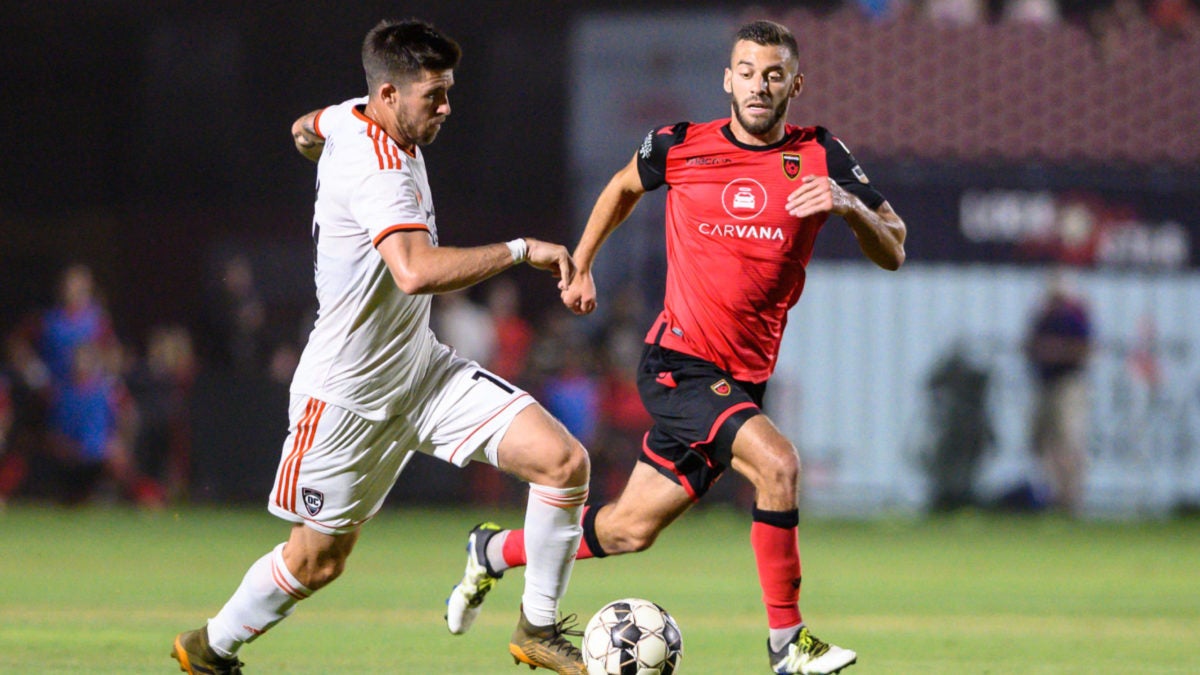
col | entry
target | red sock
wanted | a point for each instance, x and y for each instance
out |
(777, 552)
(514, 545)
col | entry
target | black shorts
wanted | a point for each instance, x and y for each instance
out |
(697, 410)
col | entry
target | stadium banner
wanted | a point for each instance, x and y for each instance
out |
(1021, 214)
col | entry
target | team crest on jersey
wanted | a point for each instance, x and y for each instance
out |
(791, 165)
(313, 500)
(721, 388)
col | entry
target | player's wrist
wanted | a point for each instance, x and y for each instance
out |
(519, 248)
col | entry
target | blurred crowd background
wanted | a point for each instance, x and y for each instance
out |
(155, 266)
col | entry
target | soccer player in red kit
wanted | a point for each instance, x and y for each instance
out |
(747, 197)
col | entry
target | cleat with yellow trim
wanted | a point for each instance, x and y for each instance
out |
(195, 657)
(465, 599)
(807, 655)
(547, 646)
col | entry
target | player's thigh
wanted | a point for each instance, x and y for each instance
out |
(537, 448)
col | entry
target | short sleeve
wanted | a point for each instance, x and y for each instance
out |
(652, 156)
(844, 170)
(387, 202)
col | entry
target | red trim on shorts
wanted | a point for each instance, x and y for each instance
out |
(481, 426)
(289, 473)
(712, 433)
(667, 464)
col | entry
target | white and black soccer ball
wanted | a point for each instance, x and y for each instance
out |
(632, 637)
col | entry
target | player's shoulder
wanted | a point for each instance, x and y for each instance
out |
(663, 137)
(828, 139)
(341, 118)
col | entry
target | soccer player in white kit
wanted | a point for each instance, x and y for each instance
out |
(374, 384)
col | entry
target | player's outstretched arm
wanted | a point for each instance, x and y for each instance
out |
(612, 207)
(418, 267)
(880, 232)
(304, 134)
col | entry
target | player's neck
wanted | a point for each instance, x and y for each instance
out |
(388, 124)
(770, 137)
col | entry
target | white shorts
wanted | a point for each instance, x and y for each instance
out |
(338, 467)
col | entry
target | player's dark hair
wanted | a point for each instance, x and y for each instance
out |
(397, 51)
(768, 34)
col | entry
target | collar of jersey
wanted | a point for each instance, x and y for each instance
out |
(787, 138)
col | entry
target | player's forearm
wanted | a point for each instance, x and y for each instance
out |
(304, 134)
(445, 268)
(612, 207)
(880, 233)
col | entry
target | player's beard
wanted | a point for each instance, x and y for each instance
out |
(759, 125)
(421, 134)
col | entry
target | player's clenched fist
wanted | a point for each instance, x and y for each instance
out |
(553, 257)
(817, 195)
(580, 295)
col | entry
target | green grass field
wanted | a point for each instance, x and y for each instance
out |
(105, 590)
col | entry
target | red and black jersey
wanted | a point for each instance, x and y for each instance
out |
(735, 258)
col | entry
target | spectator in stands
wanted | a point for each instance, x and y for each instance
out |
(78, 318)
(92, 421)
(461, 323)
(1042, 13)
(565, 371)
(1058, 347)
(161, 385)
(26, 387)
(514, 335)
(235, 320)
(956, 12)
(623, 418)
(883, 10)
(1176, 19)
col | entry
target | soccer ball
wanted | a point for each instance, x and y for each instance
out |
(632, 637)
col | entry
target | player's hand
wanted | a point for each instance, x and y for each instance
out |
(580, 295)
(552, 257)
(817, 194)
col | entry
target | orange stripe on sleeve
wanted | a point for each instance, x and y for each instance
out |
(317, 122)
(402, 227)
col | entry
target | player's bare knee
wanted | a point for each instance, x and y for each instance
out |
(778, 473)
(565, 466)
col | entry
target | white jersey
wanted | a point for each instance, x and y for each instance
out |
(371, 341)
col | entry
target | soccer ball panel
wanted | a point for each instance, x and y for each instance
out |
(632, 637)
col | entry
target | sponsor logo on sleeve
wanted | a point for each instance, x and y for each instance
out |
(647, 146)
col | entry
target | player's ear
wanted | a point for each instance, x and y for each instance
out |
(797, 85)
(728, 81)
(388, 93)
